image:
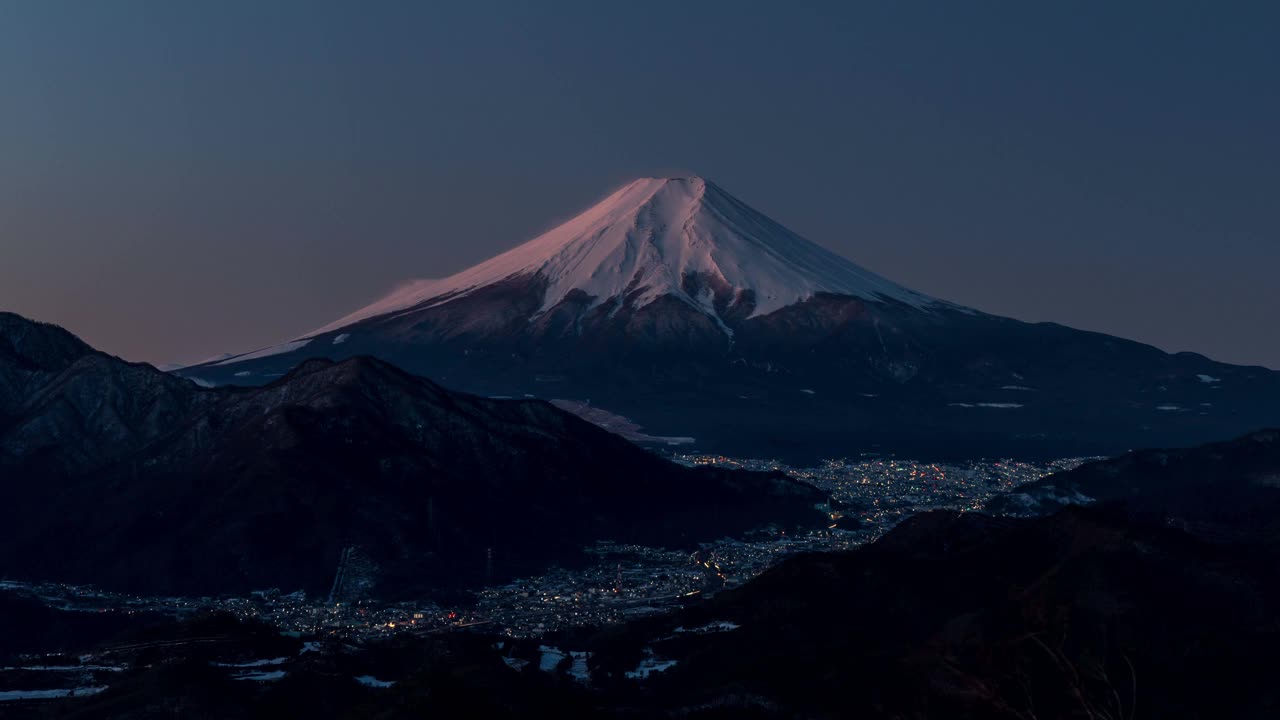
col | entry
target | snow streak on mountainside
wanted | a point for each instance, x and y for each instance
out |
(683, 237)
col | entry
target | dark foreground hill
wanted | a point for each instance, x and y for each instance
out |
(1161, 601)
(1110, 611)
(1219, 491)
(1085, 614)
(120, 475)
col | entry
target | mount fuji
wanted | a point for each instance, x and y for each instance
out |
(682, 238)
(675, 305)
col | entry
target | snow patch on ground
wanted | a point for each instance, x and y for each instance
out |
(341, 338)
(65, 668)
(1208, 379)
(373, 682)
(1047, 499)
(260, 676)
(578, 670)
(1169, 408)
(551, 658)
(649, 665)
(247, 670)
(11, 695)
(807, 391)
(253, 663)
(998, 405)
(711, 627)
(1023, 388)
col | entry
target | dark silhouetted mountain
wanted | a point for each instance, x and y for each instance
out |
(1130, 608)
(28, 626)
(1222, 490)
(31, 353)
(124, 476)
(676, 305)
(1108, 611)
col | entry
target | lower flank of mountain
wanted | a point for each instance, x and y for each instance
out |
(678, 306)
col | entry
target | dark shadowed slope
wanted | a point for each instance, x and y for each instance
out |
(121, 475)
(1221, 490)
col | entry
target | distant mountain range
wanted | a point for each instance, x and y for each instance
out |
(677, 307)
(120, 475)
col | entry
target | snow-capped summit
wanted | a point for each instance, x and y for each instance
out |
(683, 237)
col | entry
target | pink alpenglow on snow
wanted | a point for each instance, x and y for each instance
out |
(643, 240)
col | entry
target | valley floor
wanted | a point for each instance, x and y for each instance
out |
(868, 496)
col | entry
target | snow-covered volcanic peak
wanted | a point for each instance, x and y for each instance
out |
(642, 242)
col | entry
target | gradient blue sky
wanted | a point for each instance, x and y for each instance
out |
(180, 179)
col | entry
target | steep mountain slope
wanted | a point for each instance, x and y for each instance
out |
(680, 237)
(30, 354)
(121, 475)
(677, 306)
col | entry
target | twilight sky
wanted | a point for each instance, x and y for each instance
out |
(179, 179)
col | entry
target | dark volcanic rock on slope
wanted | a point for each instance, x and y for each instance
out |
(120, 475)
(827, 377)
